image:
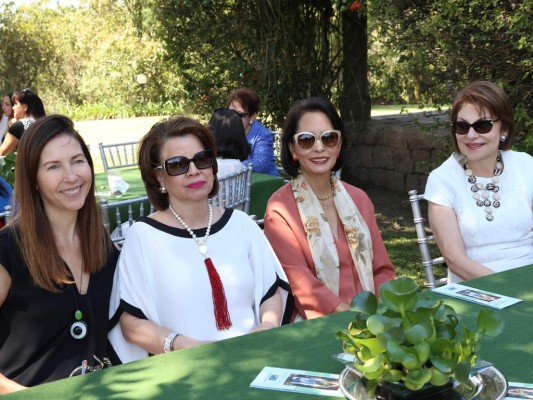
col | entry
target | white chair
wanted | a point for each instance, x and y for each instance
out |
(423, 242)
(235, 189)
(118, 216)
(118, 155)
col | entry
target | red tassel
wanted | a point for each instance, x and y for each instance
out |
(219, 297)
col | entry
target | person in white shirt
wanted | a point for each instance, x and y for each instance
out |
(481, 197)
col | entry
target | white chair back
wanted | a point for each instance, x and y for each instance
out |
(234, 190)
(118, 155)
(423, 242)
(123, 214)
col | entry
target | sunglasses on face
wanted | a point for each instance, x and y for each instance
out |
(306, 140)
(480, 126)
(179, 165)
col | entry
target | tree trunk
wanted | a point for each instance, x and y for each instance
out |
(354, 101)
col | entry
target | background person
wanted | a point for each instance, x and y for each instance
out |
(56, 262)
(7, 117)
(26, 109)
(481, 197)
(323, 230)
(231, 144)
(191, 272)
(246, 103)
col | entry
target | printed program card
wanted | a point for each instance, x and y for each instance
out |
(294, 380)
(478, 296)
(519, 390)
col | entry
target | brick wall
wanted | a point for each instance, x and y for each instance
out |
(397, 152)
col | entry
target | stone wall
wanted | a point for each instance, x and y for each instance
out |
(397, 152)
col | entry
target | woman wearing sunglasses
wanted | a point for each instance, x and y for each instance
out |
(246, 102)
(56, 262)
(481, 197)
(191, 272)
(322, 229)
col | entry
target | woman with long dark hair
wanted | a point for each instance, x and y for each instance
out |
(27, 107)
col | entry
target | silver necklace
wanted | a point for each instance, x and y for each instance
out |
(482, 193)
(202, 243)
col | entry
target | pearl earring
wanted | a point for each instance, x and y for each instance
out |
(162, 189)
(503, 138)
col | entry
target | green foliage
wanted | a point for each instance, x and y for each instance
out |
(426, 51)
(7, 168)
(284, 50)
(408, 337)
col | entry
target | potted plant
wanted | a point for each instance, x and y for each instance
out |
(408, 344)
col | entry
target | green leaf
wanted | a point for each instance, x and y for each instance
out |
(379, 323)
(364, 302)
(399, 294)
(438, 378)
(415, 380)
(421, 331)
(489, 322)
(462, 373)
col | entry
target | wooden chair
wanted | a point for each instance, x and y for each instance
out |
(118, 216)
(118, 155)
(423, 242)
(234, 191)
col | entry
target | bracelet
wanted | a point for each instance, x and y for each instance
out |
(169, 341)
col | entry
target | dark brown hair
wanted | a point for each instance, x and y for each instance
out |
(247, 98)
(489, 97)
(32, 227)
(150, 153)
(312, 104)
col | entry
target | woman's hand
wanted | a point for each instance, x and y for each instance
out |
(9, 386)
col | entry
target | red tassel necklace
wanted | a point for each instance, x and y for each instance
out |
(220, 303)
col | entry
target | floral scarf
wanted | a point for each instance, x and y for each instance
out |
(320, 237)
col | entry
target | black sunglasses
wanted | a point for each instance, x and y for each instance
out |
(480, 126)
(179, 165)
(306, 140)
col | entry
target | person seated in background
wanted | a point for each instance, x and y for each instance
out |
(246, 103)
(26, 109)
(7, 117)
(323, 230)
(231, 144)
(56, 262)
(191, 272)
(481, 198)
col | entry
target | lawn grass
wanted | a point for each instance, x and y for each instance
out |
(395, 221)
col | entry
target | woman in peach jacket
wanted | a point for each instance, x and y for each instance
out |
(323, 230)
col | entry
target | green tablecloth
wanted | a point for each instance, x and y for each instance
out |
(224, 370)
(262, 188)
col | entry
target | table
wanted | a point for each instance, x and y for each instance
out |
(224, 370)
(262, 188)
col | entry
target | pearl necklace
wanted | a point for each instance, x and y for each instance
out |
(202, 243)
(329, 195)
(483, 199)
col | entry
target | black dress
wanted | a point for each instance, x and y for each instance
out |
(36, 345)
